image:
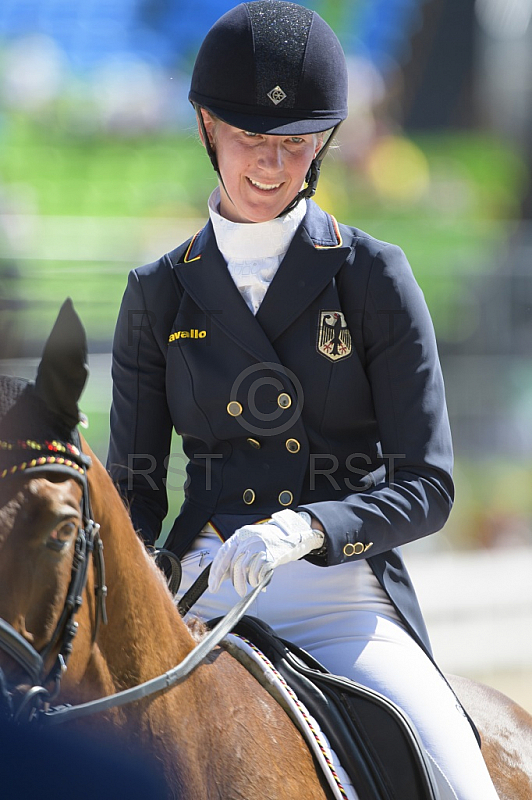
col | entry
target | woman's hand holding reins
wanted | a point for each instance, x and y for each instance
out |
(255, 550)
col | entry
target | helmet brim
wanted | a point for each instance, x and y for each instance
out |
(285, 126)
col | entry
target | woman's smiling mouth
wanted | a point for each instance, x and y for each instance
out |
(266, 187)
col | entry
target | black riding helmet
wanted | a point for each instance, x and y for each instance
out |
(275, 68)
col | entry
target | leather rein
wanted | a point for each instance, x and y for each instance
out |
(35, 702)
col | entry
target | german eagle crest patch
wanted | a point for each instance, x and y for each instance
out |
(334, 337)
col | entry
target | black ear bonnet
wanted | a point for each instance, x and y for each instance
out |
(38, 419)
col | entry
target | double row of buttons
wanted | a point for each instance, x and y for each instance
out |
(285, 497)
(292, 445)
(234, 408)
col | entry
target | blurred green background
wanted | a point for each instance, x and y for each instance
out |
(101, 170)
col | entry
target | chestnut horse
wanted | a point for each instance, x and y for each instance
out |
(218, 734)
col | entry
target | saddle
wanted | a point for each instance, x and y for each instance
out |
(374, 740)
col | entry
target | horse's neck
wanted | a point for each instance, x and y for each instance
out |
(145, 634)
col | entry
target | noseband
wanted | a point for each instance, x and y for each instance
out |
(57, 458)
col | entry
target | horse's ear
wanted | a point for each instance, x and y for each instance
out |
(63, 369)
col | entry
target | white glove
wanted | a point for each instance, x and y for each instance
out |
(255, 550)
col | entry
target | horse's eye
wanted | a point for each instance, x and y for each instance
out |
(61, 535)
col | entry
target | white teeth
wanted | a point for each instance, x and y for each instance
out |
(265, 186)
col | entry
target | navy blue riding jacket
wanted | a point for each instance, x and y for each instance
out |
(330, 399)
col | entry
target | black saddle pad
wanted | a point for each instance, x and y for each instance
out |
(375, 741)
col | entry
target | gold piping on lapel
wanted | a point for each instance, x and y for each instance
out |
(210, 528)
(186, 259)
(338, 238)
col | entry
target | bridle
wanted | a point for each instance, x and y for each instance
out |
(39, 459)
(35, 703)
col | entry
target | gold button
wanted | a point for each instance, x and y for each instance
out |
(284, 400)
(234, 408)
(254, 443)
(248, 497)
(293, 446)
(285, 498)
(353, 549)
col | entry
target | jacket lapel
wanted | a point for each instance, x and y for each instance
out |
(315, 255)
(203, 273)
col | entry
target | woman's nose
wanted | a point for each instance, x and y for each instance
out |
(271, 155)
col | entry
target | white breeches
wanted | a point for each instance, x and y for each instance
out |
(344, 619)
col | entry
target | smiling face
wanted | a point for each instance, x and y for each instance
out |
(262, 173)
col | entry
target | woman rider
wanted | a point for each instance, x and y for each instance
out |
(296, 358)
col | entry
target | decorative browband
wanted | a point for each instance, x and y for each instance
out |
(62, 454)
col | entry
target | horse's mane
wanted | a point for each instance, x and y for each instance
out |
(112, 512)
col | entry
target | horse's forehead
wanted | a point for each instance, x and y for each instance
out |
(37, 499)
(53, 490)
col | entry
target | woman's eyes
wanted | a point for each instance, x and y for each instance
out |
(290, 139)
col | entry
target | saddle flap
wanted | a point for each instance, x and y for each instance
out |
(374, 740)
